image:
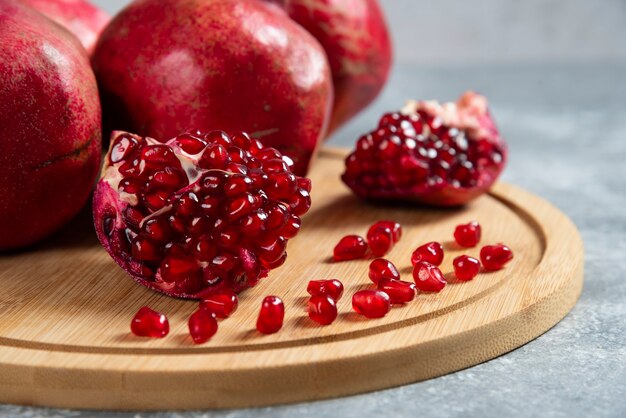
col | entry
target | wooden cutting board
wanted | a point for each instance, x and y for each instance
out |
(65, 310)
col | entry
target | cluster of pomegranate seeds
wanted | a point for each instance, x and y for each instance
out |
(322, 309)
(428, 277)
(149, 323)
(431, 252)
(221, 304)
(332, 288)
(440, 154)
(467, 235)
(200, 213)
(271, 315)
(465, 267)
(371, 303)
(350, 247)
(382, 269)
(202, 326)
(494, 257)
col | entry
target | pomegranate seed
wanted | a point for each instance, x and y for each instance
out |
(466, 267)
(431, 252)
(494, 257)
(380, 240)
(271, 315)
(383, 269)
(202, 326)
(393, 226)
(428, 277)
(123, 147)
(399, 291)
(350, 247)
(322, 309)
(468, 235)
(332, 288)
(222, 304)
(371, 303)
(149, 323)
(190, 144)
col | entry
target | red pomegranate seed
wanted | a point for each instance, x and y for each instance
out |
(322, 309)
(271, 315)
(466, 267)
(380, 240)
(371, 303)
(202, 326)
(350, 247)
(383, 269)
(332, 288)
(494, 257)
(149, 323)
(393, 226)
(468, 235)
(222, 304)
(428, 277)
(431, 252)
(399, 291)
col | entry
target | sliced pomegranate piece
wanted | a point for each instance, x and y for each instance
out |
(437, 154)
(149, 323)
(199, 214)
(332, 288)
(494, 257)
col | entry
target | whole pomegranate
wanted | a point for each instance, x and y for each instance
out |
(199, 214)
(355, 37)
(50, 126)
(437, 154)
(166, 66)
(80, 17)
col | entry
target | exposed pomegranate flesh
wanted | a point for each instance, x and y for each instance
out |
(149, 323)
(382, 269)
(350, 247)
(198, 214)
(271, 316)
(221, 304)
(332, 288)
(202, 326)
(494, 257)
(431, 252)
(371, 303)
(399, 291)
(467, 235)
(428, 277)
(322, 309)
(466, 267)
(437, 154)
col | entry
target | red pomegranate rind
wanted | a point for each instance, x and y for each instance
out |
(192, 224)
(436, 154)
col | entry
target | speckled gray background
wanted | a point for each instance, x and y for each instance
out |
(555, 73)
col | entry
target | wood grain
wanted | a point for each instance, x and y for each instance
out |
(65, 309)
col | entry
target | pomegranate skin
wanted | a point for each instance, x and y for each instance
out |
(51, 139)
(355, 37)
(165, 66)
(80, 17)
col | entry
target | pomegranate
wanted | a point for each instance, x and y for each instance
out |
(495, 257)
(80, 17)
(322, 309)
(200, 214)
(166, 66)
(382, 269)
(149, 323)
(50, 147)
(357, 43)
(437, 154)
(350, 247)
(371, 303)
(271, 315)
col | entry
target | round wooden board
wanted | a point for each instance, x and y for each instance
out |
(65, 309)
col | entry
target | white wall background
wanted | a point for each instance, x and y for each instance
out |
(454, 32)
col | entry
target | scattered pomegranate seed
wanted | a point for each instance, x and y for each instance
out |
(431, 252)
(393, 226)
(371, 303)
(322, 309)
(399, 291)
(466, 267)
(221, 304)
(350, 247)
(149, 323)
(494, 257)
(202, 326)
(468, 235)
(380, 240)
(332, 288)
(383, 269)
(428, 277)
(271, 315)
